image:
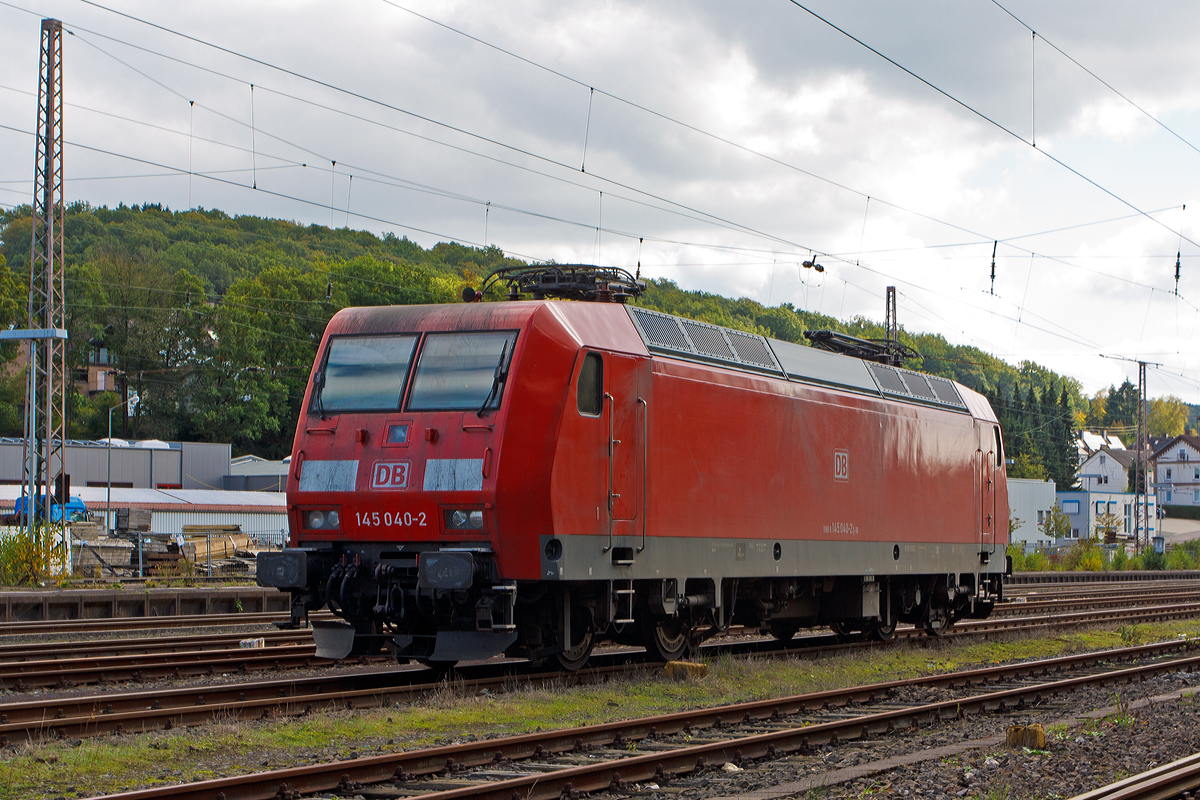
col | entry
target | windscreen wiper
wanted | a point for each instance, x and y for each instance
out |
(319, 388)
(498, 378)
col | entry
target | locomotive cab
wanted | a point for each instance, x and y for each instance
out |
(391, 505)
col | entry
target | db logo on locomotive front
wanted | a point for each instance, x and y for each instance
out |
(389, 475)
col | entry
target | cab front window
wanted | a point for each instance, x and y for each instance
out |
(364, 373)
(461, 371)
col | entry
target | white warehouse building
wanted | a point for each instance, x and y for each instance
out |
(1029, 501)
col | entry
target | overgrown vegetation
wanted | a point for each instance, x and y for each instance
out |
(31, 559)
(1088, 555)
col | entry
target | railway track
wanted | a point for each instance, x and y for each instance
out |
(139, 711)
(664, 748)
(284, 650)
(21, 649)
(150, 643)
(108, 624)
(1178, 779)
(1027, 599)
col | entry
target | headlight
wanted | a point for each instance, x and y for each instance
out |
(464, 520)
(321, 520)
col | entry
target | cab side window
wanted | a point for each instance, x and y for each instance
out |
(589, 392)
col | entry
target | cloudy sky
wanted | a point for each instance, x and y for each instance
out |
(719, 144)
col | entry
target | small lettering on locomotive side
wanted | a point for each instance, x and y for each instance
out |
(841, 465)
(841, 529)
(389, 475)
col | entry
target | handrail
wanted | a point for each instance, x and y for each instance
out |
(612, 443)
(645, 467)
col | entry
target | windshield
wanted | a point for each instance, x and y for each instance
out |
(364, 373)
(459, 371)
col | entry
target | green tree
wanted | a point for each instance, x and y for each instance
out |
(1056, 524)
(1027, 466)
(281, 314)
(1106, 524)
(1166, 416)
(1122, 405)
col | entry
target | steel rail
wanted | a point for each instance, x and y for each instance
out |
(346, 776)
(1169, 780)
(113, 669)
(30, 651)
(133, 623)
(1025, 607)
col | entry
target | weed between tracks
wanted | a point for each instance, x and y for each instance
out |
(53, 769)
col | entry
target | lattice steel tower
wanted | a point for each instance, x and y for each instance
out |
(47, 354)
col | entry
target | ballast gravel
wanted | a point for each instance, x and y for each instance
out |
(1093, 738)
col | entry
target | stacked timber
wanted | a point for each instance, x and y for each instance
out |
(103, 556)
(133, 519)
(224, 546)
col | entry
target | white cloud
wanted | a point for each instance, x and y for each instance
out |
(767, 76)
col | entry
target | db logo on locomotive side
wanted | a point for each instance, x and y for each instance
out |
(841, 465)
(389, 475)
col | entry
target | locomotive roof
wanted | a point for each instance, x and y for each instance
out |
(669, 335)
(605, 325)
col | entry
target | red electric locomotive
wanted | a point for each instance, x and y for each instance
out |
(530, 477)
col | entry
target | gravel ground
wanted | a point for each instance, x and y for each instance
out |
(1100, 736)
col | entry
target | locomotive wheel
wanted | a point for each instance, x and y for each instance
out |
(883, 632)
(583, 631)
(665, 639)
(938, 622)
(842, 631)
(783, 631)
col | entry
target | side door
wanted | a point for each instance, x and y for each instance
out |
(989, 458)
(626, 446)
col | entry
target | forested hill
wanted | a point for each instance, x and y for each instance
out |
(214, 322)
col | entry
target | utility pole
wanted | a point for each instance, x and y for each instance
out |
(1142, 445)
(45, 403)
(1141, 474)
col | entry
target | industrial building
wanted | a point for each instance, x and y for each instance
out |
(261, 515)
(1029, 501)
(134, 465)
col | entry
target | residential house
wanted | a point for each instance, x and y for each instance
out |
(1088, 443)
(1177, 471)
(1085, 508)
(1106, 470)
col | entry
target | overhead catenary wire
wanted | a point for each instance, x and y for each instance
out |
(577, 81)
(736, 225)
(691, 213)
(985, 117)
(1105, 83)
(485, 237)
(1065, 336)
(529, 61)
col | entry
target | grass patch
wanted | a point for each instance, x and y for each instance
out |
(108, 764)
